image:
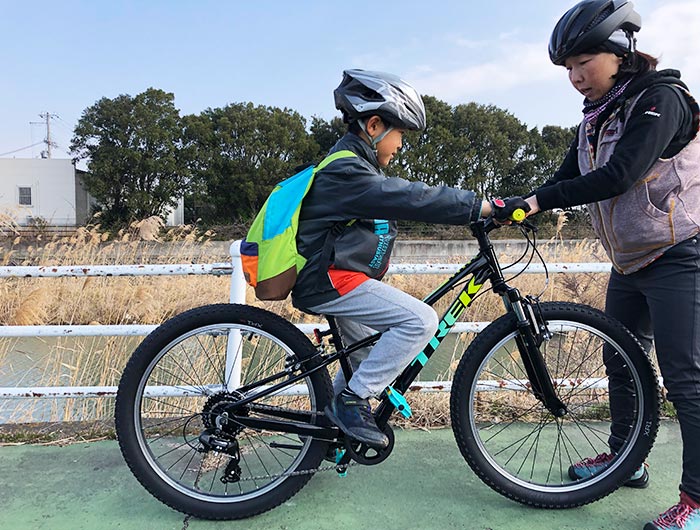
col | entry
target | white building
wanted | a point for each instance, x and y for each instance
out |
(50, 190)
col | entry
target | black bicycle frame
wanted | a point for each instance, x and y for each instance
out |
(484, 266)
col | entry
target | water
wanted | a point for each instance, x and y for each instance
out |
(59, 361)
(98, 361)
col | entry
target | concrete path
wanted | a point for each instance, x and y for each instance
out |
(424, 484)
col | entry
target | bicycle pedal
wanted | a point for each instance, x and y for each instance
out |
(398, 401)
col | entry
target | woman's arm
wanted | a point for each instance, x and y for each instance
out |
(655, 121)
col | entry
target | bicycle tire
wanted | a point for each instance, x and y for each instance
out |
(515, 445)
(158, 431)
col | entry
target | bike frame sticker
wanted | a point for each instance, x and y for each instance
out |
(465, 298)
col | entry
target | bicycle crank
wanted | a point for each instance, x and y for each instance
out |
(366, 455)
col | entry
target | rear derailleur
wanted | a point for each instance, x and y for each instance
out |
(215, 440)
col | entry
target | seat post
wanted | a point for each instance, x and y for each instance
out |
(337, 341)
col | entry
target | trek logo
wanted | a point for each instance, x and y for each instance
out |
(652, 112)
(448, 321)
(454, 312)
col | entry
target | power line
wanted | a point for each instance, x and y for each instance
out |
(22, 148)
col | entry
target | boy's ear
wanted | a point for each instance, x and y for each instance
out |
(373, 123)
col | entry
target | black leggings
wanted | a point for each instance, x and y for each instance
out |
(661, 302)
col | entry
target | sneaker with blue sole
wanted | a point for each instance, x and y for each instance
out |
(682, 516)
(591, 466)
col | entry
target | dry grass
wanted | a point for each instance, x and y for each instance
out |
(152, 300)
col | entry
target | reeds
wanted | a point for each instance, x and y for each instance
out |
(98, 361)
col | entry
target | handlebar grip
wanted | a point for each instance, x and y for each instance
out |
(518, 215)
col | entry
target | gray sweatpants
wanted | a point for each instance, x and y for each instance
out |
(407, 325)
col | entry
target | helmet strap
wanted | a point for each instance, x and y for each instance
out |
(374, 141)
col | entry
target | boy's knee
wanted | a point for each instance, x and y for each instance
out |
(433, 320)
(428, 321)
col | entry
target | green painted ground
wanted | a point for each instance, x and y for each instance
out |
(424, 484)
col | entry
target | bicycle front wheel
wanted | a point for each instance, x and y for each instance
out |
(178, 432)
(518, 447)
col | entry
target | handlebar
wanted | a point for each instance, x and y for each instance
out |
(518, 216)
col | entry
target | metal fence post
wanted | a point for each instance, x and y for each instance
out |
(233, 346)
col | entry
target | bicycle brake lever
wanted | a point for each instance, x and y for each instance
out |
(527, 224)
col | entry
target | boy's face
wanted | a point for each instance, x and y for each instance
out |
(389, 146)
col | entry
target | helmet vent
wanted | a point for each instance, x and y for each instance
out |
(605, 13)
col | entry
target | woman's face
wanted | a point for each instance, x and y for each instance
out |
(592, 74)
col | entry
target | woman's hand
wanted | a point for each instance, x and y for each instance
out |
(534, 205)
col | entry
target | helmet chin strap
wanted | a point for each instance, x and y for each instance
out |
(374, 141)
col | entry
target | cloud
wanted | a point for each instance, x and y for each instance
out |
(672, 33)
(515, 64)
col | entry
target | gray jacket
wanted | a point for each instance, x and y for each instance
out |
(659, 211)
(355, 189)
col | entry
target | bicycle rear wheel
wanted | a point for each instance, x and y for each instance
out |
(520, 449)
(176, 433)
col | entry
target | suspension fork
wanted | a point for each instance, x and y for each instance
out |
(531, 333)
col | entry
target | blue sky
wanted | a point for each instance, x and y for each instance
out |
(62, 57)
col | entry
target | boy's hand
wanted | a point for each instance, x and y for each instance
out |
(503, 209)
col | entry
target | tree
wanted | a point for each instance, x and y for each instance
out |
(132, 145)
(241, 151)
(436, 155)
(326, 134)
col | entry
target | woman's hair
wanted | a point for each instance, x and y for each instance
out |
(632, 63)
(637, 63)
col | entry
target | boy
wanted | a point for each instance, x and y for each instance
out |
(342, 274)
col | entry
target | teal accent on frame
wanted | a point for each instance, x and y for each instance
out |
(422, 358)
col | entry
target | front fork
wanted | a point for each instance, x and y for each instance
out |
(532, 332)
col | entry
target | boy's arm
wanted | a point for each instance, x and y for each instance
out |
(400, 199)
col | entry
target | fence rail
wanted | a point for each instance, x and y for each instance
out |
(237, 295)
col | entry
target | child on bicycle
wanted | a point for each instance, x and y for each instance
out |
(636, 163)
(343, 272)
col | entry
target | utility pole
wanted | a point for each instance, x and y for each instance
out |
(49, 144)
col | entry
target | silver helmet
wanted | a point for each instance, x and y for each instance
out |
(362, 93)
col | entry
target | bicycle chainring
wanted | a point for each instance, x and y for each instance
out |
(366, 455)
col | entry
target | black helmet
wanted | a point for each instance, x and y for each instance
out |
(362, 93)
(589, 24)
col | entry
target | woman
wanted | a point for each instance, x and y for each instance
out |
(636, 163)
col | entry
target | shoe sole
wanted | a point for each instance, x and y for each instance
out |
(639, 483)
(342, 427)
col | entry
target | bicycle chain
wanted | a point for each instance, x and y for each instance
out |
(336, 467)
(303, 472)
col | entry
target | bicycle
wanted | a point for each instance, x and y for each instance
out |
(220, 410)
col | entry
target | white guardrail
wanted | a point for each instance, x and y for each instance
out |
(238, 291)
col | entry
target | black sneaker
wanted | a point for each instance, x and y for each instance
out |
(354, 417)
